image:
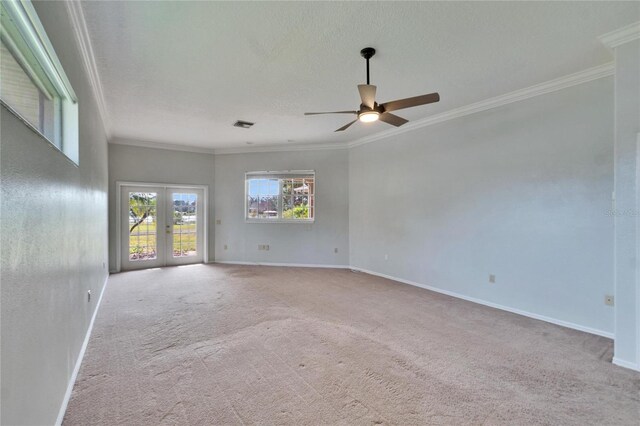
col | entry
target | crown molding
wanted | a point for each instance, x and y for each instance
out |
(225, 151)
(281, 148)
(495, 102)
(550, 86)
(159, 145)
(621, 36)
(79, 26)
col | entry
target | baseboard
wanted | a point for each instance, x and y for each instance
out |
(437, 290)
(292, 265)
(76, 369)
(626, 364)
(492, 305)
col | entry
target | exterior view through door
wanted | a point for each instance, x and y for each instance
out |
(161, 226)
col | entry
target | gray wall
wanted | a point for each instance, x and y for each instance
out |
(289, 242)
(521, 191)
(627, 217)
(54, 244)
(137, 164)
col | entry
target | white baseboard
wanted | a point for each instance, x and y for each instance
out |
(292, 265)
(437, 290)
(76, 369)
(492, 305)
(626, 364)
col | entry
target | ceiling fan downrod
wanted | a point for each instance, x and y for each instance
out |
(367, 53)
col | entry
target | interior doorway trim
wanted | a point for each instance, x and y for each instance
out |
(205, 213)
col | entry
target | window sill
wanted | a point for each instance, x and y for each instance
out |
(292, 221)
(37, 132)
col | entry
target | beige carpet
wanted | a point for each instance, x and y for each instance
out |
(208, 344)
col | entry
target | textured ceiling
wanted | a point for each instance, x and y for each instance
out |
(183, 72)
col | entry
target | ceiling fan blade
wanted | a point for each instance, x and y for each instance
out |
(394, 120)
(331, 112)
(346, 126)
(411, 102)
(367, 94)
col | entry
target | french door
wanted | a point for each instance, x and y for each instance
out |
(161, 226)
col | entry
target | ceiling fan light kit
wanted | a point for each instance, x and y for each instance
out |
(371, 111)
(369, 116)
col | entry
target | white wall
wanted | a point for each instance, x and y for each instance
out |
(54, 243)
(138, 164)
(627, 218)
(289, 243)
(521, 191)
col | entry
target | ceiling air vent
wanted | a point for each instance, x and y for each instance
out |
(243, 124)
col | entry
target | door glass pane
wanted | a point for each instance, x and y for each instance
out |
(142, 225)
(184, 224)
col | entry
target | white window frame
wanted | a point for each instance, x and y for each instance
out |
(282, 174)
(23, 34)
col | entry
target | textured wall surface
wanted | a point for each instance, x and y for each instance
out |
(54, 245)
(522, 192)
(137, 164)
(627, 217)
(289, 242)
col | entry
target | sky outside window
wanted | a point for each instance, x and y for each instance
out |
(263, 187)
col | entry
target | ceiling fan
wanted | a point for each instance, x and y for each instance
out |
(371, 111)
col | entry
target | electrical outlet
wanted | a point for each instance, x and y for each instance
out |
(386, 257)
(225, 247)
(263, 247)
(335, 250)
(218, 222)
(492, 278)
(608, 300)
(89, 296)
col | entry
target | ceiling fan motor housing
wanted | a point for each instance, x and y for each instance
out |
(376, 107)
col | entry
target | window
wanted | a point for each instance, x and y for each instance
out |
(280, 196)
(33, 85)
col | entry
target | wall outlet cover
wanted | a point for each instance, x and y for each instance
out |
(492, 278)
